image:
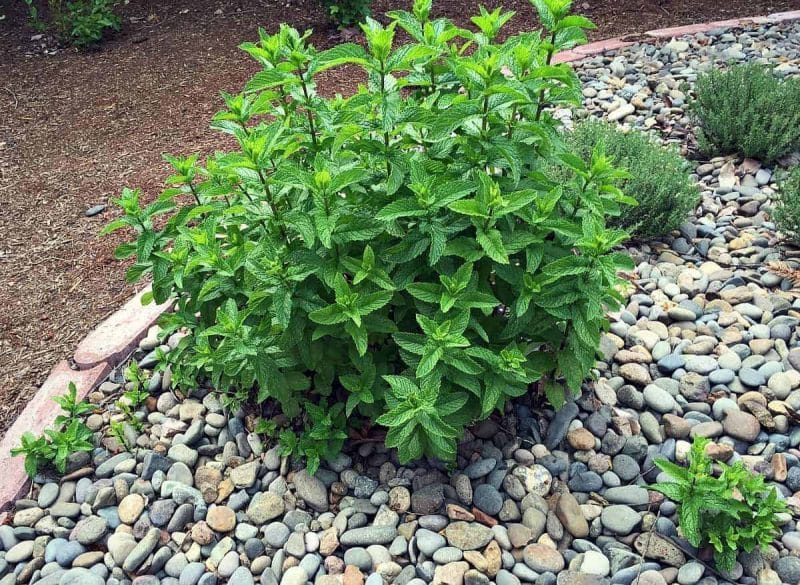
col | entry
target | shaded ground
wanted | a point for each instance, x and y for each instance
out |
(76, 127)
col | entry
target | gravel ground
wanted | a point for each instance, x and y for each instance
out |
(707, 345)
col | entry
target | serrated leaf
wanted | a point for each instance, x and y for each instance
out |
(492, 243)
(400, 208)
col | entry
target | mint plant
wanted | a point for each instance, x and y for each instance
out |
(346, 13)
(78, 22)
(658, 176)
(399, 257)
(732, 512)
(69, 435)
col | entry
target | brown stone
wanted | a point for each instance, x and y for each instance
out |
(569, 512)
(476, 559)
(675, 426)
(719, 451)
(542, 558)
(202, 534)
(635, 373)
(581, 439)
(221, 518)
(399, 499)
(455, 512)
(494, 558)
(779, 467)
(328, 541)
(353, 576)
(741, 425)
(224, 490)
(654, 546)
(519, 535)
(451, 573)
(758, 410)
(130, 508)
(752, 396)
(483, 518)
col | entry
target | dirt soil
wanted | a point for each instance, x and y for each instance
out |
(77, 126)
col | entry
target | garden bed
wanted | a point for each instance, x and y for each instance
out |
(706, 346)
(76, 127)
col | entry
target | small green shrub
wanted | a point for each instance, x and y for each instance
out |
(658, 177)
(787, 206)
(748, 110)
(68, 436)
(346, 13)
(398, 256)
(78, 22)
(733, 512)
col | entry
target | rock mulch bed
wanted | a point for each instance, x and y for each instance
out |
(707, 345)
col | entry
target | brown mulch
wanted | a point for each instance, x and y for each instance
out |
(77, 126)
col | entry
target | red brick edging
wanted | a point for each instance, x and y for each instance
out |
(611, 44)
(101, 351)
(114, 339)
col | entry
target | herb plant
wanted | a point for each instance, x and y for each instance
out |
(398, 257)
(658, 176)
(72, 407)
(733, 512)
(787, 205)
(68, 436)
(78, 22)
(347, 12)
(749, 110)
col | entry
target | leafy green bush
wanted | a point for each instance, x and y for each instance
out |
(748, 110)
(733, 512)
(347, 12)
(787, 206)
(658, 177)
(68, 436)
(78, 22)
(395, 257)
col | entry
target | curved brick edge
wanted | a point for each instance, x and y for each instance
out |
(101, 351)
(40, 413)
(105, 347)
(599, 47)
(117, 336)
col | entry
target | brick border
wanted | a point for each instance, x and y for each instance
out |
(99, 353)
(614, 43)
(114, 339)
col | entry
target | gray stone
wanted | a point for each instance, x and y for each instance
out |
(276, 534)
(658, 399)
(788, 569)
(294, 576)
(191, 573)
(47, 495)
(20, 552)
(311, 490)
(90, 529)
(68, 552)
(631, 495)
(559, 426)
(690, 573)
(368, 535)
(620, 519)
(487, 499)
(142, 550)
(265, 506)
(429, 542)
(80, 577)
